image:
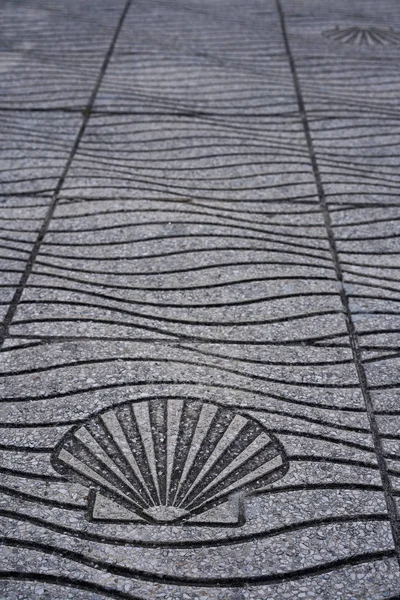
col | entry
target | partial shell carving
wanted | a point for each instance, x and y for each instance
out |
(364, 36)
(170, 461)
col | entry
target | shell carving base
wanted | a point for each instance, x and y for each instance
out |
(170, 461)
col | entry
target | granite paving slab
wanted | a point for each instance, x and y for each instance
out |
(213, 57)
(200, 339)
(360, 179)
(51, 51)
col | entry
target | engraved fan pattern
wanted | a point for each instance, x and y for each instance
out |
(170, 461)
(364, 36)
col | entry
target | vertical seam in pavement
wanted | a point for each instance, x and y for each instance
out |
(354, 343)
(50, 212)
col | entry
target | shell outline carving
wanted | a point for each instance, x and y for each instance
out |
(170, 460)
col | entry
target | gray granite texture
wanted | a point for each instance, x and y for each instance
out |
(51, 51)
(199, 296)
(201, 56)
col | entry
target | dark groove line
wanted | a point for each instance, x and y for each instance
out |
(376, 297)
(188, 113)
(23, 346)
(30, 475)
(40, 500)
(258, 141)
(48, 424)
(27, 449)
(367, 487)
(135, 162)
(104, 308)
(115, 171)
(242, 359)
(177, 197)
(361, 284)
(56, 192)
(70, 582)
(162, 305)
(391, 219)
(164, 332)
(230, 541)
(355, 240)
(307, 435)
(198, 236)
(173, 131)
(122, 571)
(186, 209)
(313, 342)
(193, 251)
(355, 346)
(116, 168)
(374, 359)
(204, 286)
(61, 109)
(191, 269)
(117, 359)
(183, 189)
(311, 458)
(376, 270)
(202, 223)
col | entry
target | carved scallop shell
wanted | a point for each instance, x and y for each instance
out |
(170, 461)
(364, 36)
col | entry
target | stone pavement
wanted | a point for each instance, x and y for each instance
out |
(200, 299)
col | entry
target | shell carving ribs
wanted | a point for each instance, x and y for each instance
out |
(170, 461)
(364, 36)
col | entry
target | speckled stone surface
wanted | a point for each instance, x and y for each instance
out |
(199, 297)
